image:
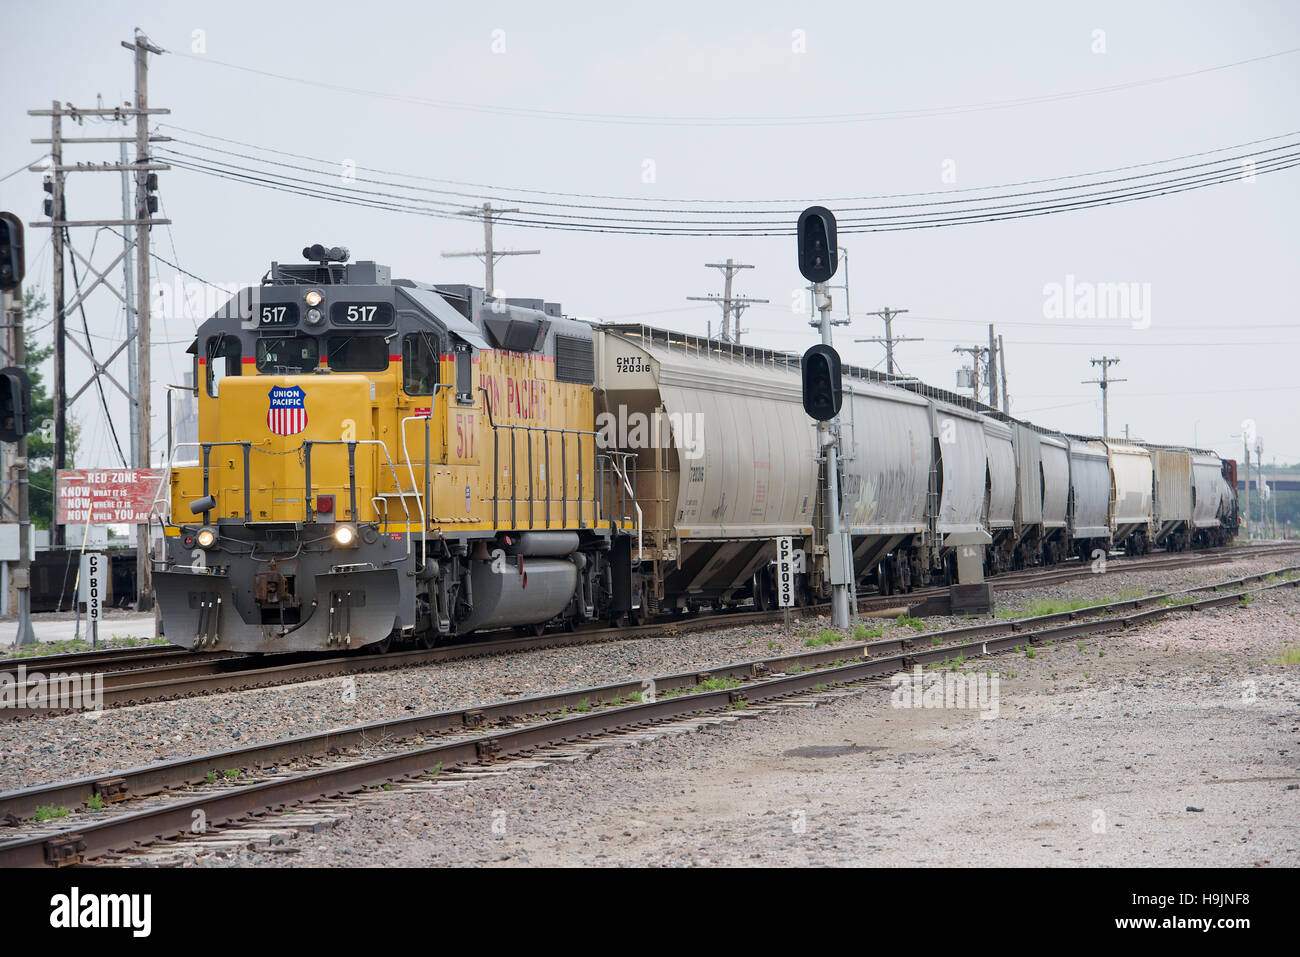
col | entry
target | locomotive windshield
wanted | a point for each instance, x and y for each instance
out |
(357, 353)
(286, 354)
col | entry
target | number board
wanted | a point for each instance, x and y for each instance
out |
(362, 313)
(785, 571)
(277, 314)
(92, 583)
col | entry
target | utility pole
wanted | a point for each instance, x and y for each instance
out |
(993, 369)
(1105, 362)
(58, 212)
(144, 364)
(1002, 367)
(141, 217)
(732, 306)
(128, 287)
(888, 338)
(489, 253)
(977, 355)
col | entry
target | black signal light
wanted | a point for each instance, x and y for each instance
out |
(15, 404)
(818, 252)
(12, 262)
(822, 387)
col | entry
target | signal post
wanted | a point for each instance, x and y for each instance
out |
(823, 394)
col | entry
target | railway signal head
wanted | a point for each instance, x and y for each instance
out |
(822, 388)
(15, 403)
(12, 263)
(818, 253)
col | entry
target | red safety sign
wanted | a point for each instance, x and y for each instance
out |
(105, 496)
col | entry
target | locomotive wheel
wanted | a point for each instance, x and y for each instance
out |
(640, 615)
(426, 639)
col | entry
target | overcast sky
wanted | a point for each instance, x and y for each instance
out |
(1220, 343)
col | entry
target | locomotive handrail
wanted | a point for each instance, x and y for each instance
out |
(206, 448)
(496, 471)
(352, 477)
(420, 499)
(635, 504)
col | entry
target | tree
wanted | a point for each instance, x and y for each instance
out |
(40, 443)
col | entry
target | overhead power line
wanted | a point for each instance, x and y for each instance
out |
(910, 216)
(735, 120)
(781, 208)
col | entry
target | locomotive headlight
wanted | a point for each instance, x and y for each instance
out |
(206, 538)
(313, 316)
(345, 536)
(313, 298)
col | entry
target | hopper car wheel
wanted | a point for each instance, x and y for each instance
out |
(426, 639)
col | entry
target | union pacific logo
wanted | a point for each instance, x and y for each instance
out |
(286, 413)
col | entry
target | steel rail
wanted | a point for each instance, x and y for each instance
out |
(186, 679)
(74, 844)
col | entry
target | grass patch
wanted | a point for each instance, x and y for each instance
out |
(210, 777)
(916, 624)
(1030, 652)
(863, 633)
(1289, 655)
(48, 812)
(828, 636)
(74, 645)
(708, 684)
(231, 773)
(96, 802)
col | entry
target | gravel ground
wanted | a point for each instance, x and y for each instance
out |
(56, 748)
(1175, 744)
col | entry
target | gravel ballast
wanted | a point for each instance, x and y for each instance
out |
(1173, 744)
(66, 746)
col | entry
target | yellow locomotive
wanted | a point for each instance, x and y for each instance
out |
(383, 460)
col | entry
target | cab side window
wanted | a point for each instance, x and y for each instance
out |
(224, 358)
(420, 356)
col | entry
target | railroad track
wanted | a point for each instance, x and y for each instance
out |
(209, 673)
(462, 739)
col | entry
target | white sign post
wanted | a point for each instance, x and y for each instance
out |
(92, 591)
(785, 572)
